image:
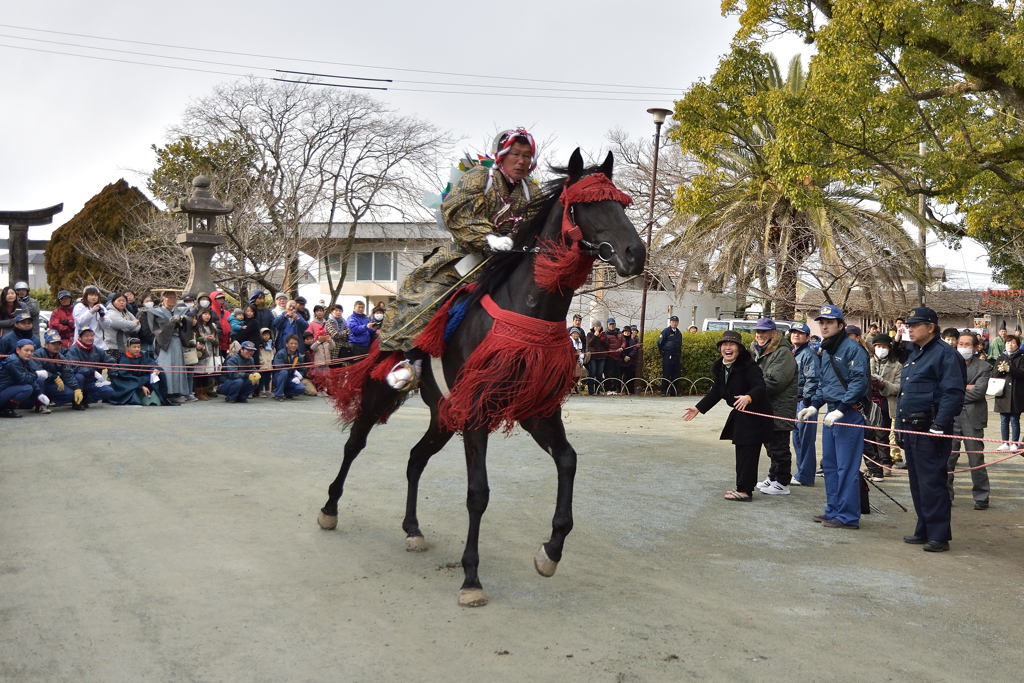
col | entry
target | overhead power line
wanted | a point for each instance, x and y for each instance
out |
(667, 90)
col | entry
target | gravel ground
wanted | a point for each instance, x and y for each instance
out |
(181, 545)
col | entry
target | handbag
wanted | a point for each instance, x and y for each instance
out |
(191, 356)
(995, 387)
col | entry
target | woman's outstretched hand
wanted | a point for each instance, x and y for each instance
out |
(741, 403)
(690, 413)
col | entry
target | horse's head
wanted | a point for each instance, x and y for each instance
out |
(597, 210)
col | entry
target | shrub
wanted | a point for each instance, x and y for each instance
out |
(699, 352)
(45, 299)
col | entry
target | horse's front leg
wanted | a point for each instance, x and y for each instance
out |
(549, 433)
(472, 593)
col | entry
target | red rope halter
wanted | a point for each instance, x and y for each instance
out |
(593, 188)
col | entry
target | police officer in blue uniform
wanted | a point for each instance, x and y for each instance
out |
(931, 396)
(804, 433)
(843, 386)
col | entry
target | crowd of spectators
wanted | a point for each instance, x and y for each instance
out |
(157, 349)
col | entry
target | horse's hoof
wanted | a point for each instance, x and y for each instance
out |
(327, 522)
(544, 564)
(472, 597)
(415, 544)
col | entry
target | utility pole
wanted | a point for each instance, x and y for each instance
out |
(923, 237)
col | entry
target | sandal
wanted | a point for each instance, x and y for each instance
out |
(738, 496)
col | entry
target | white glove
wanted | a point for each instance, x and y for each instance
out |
(41, 374)
(297, 380)
(807, 414)
(98, 376)
(44, 399)
(103, 383)
(933, 430)
(497, 243)
(831, 418)
(154, 377)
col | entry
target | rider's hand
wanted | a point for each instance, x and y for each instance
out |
(497, 243)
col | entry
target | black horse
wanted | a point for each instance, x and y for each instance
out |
(510, 280)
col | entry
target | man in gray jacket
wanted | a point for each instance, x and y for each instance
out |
(972, 420)
(774, 355)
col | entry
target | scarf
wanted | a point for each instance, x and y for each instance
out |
(83, 346)
(831, 344)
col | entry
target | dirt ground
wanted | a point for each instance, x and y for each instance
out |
(181, 544)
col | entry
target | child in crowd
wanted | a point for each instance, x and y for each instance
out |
(321, 352)
(266, 363)
(236, 321)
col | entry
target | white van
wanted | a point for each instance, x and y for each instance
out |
(739, 324)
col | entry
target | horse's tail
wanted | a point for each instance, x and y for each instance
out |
(346, 386)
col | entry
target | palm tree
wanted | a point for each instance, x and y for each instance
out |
(755, 228)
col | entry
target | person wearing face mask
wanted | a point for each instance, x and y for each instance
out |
(738, 381)
(972, 420)
(885, 389)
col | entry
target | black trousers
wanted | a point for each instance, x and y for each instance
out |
(746, 467)
(928, 458)
(781, 469)
(670, 371)
(626, 373)
(880, 454)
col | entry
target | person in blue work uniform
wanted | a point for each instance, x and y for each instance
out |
(60, 385)
(20, 381)
(88, 362)
(240, 374)
(804, 433)
(932, 389)
(22, 330)
(843, 387)
(287, 375)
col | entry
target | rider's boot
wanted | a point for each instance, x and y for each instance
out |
(406, 374)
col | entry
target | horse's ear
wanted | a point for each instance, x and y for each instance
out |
(606, 167)
(576, 165)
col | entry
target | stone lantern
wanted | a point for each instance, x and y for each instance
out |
(200, 238)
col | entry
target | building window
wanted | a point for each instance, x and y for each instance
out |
(366, 266)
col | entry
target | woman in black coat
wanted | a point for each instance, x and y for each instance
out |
(738, 381)
(1010, 404)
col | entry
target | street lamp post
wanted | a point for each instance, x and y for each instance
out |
(659, 118)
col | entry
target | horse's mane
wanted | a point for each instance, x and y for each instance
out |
(501, 264)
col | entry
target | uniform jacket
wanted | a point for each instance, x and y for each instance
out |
(14, 336)
(778, 367)
(16, 372)
(975, 401)
(286, 361)
(808, 367)
(237, 367)
(932, 382)
(63, 322)
(889, 370)
(741, 427)
(32, 306)
(670, 342)
(88, 361)
(1010, 368)
(852, 361)
(54, 368)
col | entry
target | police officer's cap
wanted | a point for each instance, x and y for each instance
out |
(800, 327)
(248, 345)
(675, 317)
(829, 312)
(922, 314)
(22, 316)
(51, 336)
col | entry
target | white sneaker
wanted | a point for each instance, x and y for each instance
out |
(776, 489)
(795, 482)
(1004, 447)
(762, 485)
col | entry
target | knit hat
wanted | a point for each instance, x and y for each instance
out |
(24, 342)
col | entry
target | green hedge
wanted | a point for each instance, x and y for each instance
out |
(699, 352)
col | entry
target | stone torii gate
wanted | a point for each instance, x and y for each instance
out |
(18, 223)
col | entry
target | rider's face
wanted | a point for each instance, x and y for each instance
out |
(516, 163)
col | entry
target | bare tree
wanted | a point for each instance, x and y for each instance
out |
(318, 156)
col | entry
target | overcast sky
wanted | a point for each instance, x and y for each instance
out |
(71, 125)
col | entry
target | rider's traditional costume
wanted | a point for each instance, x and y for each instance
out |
(483, 202)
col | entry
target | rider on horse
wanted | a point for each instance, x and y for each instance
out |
(481, 211)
